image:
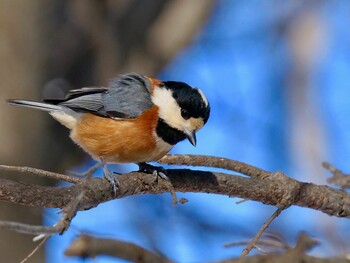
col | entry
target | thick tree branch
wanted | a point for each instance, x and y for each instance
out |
(277, 190)
(266, 187)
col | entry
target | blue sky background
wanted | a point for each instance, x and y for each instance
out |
(245, 61)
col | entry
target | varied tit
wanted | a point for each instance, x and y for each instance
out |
(135, 119)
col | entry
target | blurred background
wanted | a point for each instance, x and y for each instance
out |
(277, 76)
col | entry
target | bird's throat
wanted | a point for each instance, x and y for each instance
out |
(169, 134)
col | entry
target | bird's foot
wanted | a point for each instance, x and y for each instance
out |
(155, 170)
(111, 178)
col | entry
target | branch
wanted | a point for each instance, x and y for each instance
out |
(277, 189)
(68, 213)
(40, 172)
(252, 243)
(42, 242)
(339, 178)
(216, 162)
(292, 255)
(88, 246)
(269, 188)
(26, 229)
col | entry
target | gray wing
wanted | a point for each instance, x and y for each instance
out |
(126, 97)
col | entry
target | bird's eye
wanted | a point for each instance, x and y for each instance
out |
(161, 85)
(185, 114)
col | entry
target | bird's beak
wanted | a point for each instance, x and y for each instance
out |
(191, 136)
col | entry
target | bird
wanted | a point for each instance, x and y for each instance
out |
(134, 119)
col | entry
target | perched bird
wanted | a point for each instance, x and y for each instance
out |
(136, 119)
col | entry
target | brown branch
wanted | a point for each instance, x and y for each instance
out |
(280, 190)
(88, 246)
(88, 172)
(69, 211)
(216, 162)
(339, 178)
(292, 255)
(40, 172)
(260, 242)
(266, 187)
(252, 243)
(26, 229)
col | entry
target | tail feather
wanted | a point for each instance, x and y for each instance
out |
(34, 104)
(64, 115)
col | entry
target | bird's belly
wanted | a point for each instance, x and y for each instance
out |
(142, 154)
(119, 141)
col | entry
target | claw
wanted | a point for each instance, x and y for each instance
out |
(111, 178)
(163, 176)
(155, 170)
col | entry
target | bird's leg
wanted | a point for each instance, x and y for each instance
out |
(155, 170)
(89, 172)
(110, 176)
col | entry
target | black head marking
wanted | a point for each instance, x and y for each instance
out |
(189, 100)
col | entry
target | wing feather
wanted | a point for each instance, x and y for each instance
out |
(127, 96)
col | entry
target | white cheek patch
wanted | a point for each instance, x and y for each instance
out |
(169, 110)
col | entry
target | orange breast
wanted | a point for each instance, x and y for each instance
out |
(120, 141)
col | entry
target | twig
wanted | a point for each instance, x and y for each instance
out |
(339, 178)
(88, 246)
(291, 255)
(63, 223)
(40, 172)
(69, 211)
(170, 188)
(26, 229)
(89, 172)
(241, 201)
(42, 242)
(252, 243)
(216, 162)
(305, 243)
(268, 243)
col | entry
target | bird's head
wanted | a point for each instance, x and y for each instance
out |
(183, 110)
